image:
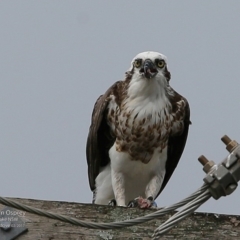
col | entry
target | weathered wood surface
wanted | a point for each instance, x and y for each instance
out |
(197, 226)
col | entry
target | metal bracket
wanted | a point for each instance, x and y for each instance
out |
(11, 224)
(223, 178)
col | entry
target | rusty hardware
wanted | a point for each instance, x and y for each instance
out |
(223, 178)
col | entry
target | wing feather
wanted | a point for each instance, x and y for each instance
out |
(99, 139)
(176, 145)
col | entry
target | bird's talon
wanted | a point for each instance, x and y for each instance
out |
(153, 204)
(112, 203)
(133, 203)
(143, 203)
(150, 198)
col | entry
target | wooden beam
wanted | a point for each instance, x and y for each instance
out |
(197, 226)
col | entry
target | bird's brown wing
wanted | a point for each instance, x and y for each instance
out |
(100, 139)
(176, 146)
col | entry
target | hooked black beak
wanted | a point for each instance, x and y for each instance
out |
(149, 69)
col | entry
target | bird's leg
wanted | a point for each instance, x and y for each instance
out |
(153, 189)
(154, 186)
(118, 187)
(151, 192)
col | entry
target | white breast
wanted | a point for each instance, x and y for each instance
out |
(136, 174)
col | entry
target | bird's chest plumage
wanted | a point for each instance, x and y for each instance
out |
(142, 125)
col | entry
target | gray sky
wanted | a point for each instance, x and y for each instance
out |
(57, 57)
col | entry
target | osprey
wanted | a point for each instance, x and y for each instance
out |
(137, 135)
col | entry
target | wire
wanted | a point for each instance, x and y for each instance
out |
(190, 204)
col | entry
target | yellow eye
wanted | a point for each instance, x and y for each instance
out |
(160, 63)
(138, 63)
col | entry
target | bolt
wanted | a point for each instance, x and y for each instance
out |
(208, 166)
(203, 160)
(230, 147)
(231, 144)
(226, 140)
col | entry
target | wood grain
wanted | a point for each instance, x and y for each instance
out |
(197, 226)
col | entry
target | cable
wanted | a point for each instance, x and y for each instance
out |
(105, 226)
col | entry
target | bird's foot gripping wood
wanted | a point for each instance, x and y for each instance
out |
(143, 203)
(112, 203)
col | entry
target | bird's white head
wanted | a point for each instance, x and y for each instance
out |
(150, 65)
